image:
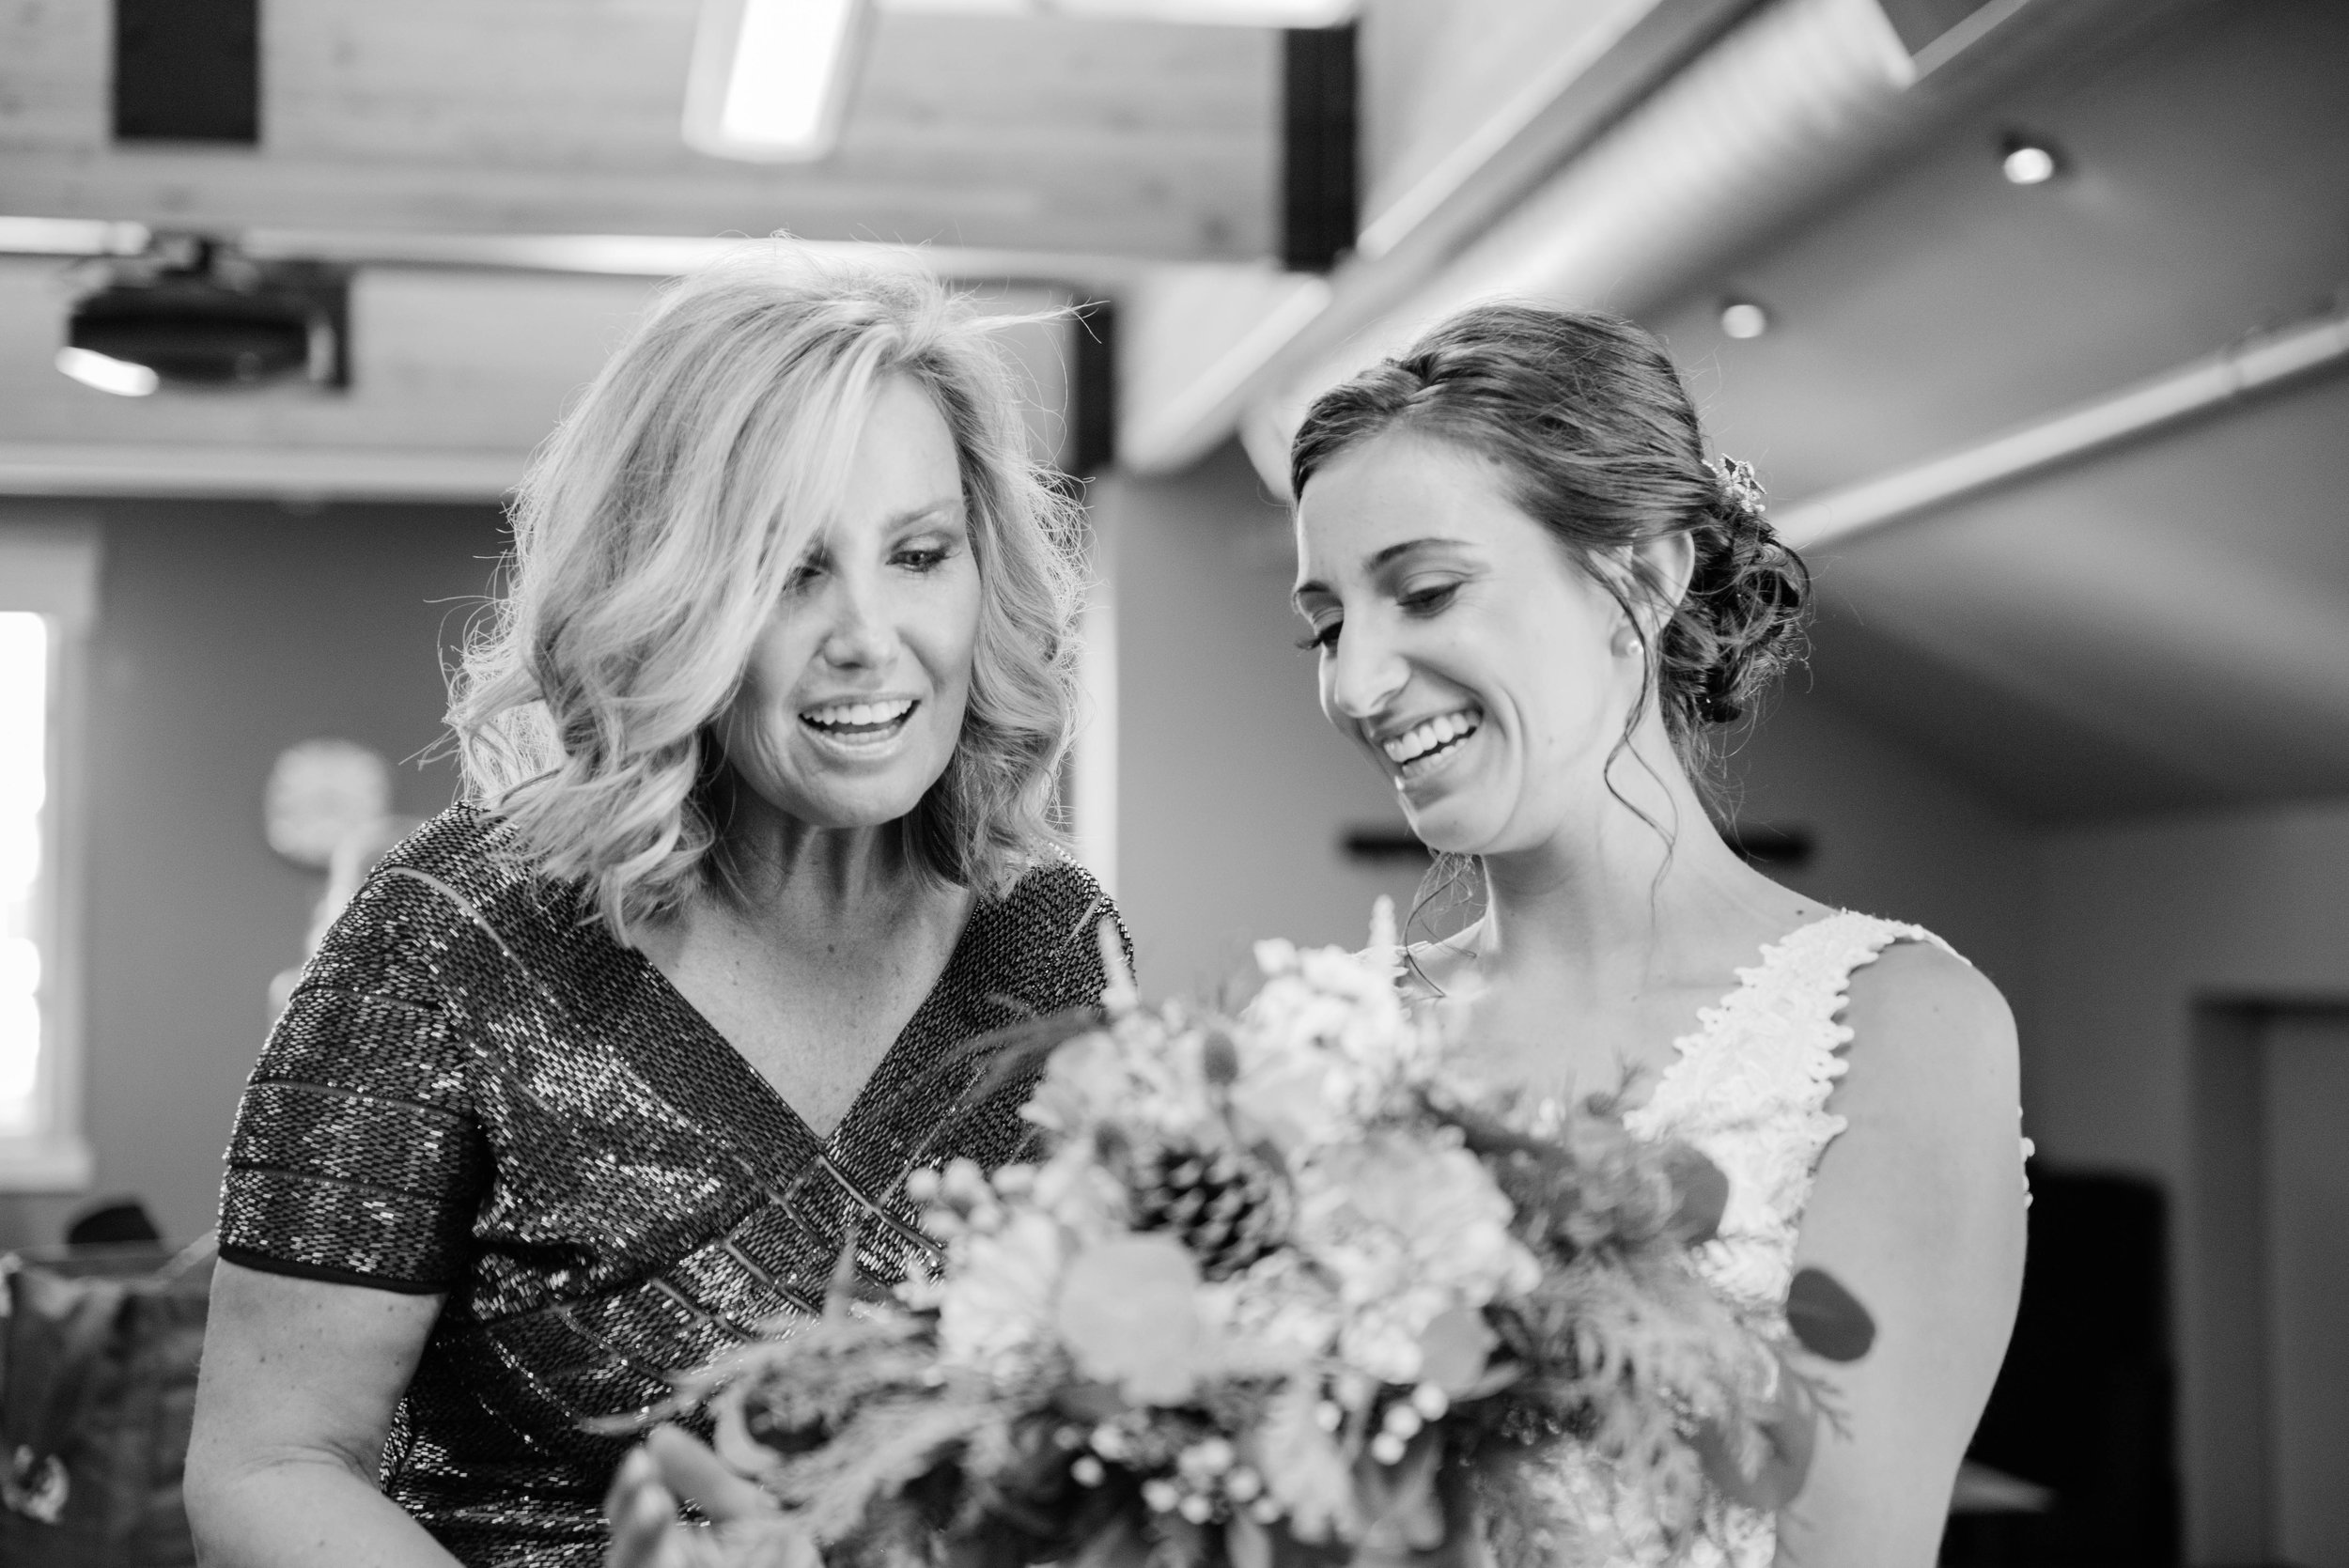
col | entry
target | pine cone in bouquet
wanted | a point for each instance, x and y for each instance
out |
(1227, 1206)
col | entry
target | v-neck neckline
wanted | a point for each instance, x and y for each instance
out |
(738, 1075)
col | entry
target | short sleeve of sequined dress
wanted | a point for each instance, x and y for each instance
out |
(356, 1158)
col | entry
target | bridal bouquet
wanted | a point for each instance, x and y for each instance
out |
(1284, 1285)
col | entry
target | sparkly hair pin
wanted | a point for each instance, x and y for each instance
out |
(1739, 486)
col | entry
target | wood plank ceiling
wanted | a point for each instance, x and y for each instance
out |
(1035, 141)
(1037, 133)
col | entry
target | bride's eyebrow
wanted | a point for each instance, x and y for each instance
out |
(1377, 563)
(1394, 552)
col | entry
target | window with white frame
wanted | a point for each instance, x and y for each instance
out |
(48, 592)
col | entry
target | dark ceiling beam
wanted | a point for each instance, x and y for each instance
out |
(1320, 146)
(188, 70)
(1092, 416)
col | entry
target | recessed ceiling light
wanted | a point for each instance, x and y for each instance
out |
(2027, 161)
(106, 373)
(1743, 318)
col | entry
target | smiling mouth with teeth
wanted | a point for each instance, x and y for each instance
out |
(855, 720)
(1424, 742)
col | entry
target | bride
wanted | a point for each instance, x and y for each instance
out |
(1534, 602)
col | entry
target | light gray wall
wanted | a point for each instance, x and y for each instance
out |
(226, 632)
(2138, 920)
(2139, 925)
(1894, 835)
(1233, 790)
(2308, 1280)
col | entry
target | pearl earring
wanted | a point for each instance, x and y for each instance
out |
(1627, 643)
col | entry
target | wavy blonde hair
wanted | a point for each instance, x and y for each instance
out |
(653, 536)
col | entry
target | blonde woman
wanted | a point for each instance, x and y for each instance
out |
(612, 1061)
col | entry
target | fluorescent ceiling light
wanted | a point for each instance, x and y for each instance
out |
(772, 78)
(1234, 13)
(106, 373)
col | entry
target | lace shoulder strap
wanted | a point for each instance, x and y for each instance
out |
(1805, 980)
(1776, 1041)
(1750, 1085)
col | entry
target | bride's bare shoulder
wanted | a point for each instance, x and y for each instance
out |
(1919, 999)
(1919, 1209)
(1931, 1066)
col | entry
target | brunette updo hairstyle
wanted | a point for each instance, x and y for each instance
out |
(1587, 424)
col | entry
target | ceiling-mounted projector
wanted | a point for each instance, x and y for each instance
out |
(195, 312)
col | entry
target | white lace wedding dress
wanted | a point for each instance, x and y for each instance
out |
(1750, 1088)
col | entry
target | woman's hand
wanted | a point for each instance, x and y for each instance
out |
(641, 1509)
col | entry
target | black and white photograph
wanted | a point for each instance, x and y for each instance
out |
(1175, 784)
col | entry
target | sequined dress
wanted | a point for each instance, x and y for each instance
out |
(477, 1094)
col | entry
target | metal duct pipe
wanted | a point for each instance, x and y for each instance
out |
(1787, 104)
(2199, 388)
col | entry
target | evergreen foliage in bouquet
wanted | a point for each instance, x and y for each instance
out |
(1285, 1284)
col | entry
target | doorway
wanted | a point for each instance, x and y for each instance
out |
(2269, 1289)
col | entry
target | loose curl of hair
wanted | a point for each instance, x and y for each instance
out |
(653, 538)
(1593, 435)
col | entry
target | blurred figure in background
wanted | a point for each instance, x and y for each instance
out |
(355, 855)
